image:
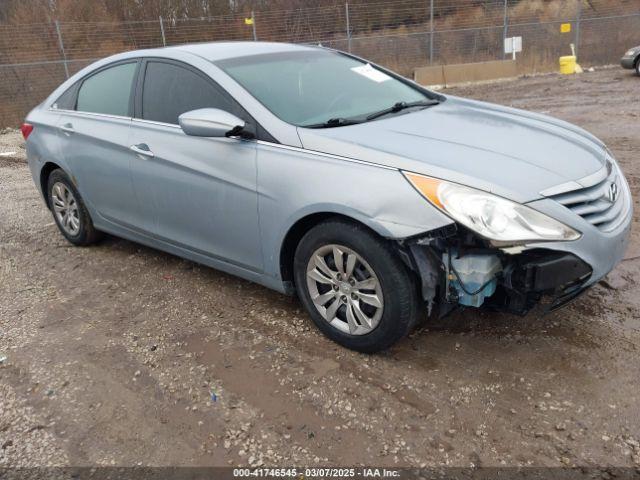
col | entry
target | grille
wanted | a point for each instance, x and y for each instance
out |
(602, 204)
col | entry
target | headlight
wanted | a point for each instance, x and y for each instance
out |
(495, 218)
(631, 52)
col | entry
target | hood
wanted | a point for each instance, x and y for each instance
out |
(509, 152)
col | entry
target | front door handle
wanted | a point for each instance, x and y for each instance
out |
(67, 128)
(142, 149)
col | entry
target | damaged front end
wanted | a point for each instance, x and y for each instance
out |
(459, 269)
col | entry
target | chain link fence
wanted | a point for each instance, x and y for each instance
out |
(36, 58)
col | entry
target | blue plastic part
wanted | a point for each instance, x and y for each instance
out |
(475, 300)
(473, 271)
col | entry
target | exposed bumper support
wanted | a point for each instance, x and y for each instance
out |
(567, 297)
(525, 278)
(561, 275)
(548, 271)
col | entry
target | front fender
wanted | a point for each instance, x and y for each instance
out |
(384, 228)
(296, 183)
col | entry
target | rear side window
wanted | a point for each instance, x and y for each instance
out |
(108, 91)
(170, 90)
(67, 101)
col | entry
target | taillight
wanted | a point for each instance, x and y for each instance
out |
(26, 130)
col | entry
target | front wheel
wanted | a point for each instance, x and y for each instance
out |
(355, 287)
(638, 67)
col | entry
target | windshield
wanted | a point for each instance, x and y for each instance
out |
(310, 87)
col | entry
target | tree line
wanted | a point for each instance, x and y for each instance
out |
(44, 11)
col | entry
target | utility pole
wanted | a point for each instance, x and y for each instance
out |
(61, 45)
(578, 19)
(505, 32)
(348, 21)
(164, 40)
(253, 25)
(431, 35)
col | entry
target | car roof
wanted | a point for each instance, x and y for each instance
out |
(214, 51)
(209, 51)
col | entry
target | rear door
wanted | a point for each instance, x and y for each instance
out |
(94, 128)
(197, 193)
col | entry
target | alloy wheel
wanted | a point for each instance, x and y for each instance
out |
(345, 289)
(65, 208)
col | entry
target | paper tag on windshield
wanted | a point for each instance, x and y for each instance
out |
(371, 73)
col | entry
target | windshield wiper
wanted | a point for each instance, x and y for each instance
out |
(334, 122)
(398, 107)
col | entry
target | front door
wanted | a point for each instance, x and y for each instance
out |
(196, 193)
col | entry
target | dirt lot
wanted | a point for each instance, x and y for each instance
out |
(122, 355)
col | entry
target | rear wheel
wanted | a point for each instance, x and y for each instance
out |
(354, 286)
(69, 212)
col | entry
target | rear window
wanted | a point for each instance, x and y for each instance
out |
(108, 91)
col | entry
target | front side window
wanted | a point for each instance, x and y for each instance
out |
(309, 87)
(108, 91)
(170, 90)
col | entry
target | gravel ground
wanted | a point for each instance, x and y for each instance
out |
(122, 355)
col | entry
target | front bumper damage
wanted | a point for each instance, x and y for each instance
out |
(457, 268)
(531, 275)
(510, 280)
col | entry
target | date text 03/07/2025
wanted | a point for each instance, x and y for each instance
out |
(338, 473)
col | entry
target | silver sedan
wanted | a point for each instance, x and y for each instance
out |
(317, 173)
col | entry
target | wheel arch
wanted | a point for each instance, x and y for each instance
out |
(45, 172)
(302, 225)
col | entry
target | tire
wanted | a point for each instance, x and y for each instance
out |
(69, 211)
(377, 276)
(638, 67)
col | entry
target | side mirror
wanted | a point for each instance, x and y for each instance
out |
(210, 122)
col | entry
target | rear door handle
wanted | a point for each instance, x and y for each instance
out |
(142, 149)
(67, 128)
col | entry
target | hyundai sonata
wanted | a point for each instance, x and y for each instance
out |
(317, 173)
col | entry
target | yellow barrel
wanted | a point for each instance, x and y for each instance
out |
(568, 64)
